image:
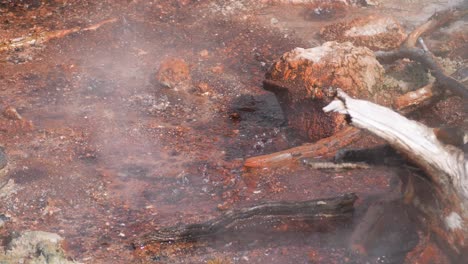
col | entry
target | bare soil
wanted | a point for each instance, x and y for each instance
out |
(114, 153)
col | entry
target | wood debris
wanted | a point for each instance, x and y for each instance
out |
(323, 148)
(444, 165)
(41, 38)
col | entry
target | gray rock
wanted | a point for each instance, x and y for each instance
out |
(35, 247)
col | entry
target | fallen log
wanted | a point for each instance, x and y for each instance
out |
(443, 198)
(330, 209)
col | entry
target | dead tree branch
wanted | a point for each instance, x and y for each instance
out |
(406, 102)
(426, 59)
(439, 19)
(326, 147)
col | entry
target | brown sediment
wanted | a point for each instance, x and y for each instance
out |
(111, 155)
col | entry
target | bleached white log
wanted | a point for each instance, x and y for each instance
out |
(445, 165)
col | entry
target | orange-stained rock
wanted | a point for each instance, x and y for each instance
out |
(174, 73)
(302, 77)
(376, 33)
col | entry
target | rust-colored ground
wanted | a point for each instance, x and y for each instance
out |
(114, 153)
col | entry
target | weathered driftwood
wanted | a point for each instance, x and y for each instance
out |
(410, 137)
(445, 167)
(328, 209)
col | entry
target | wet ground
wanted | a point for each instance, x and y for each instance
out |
(114, 153)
